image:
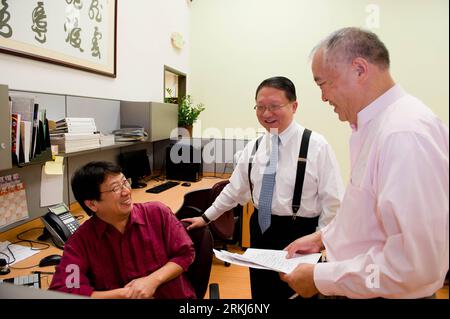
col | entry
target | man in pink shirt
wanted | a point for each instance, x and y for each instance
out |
(390, 237)
(124, 250)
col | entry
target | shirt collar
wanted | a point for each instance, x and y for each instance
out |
(101, 226)
(287, 133)
(377, 107)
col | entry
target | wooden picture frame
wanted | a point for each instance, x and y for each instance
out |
(75, 33)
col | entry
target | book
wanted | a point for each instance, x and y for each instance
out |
(107, 140)
(72, 142)
(74, 129)
(25, 136)
(35, 132)
(15, 137)
(24, 106)
(75, 136)
(70, 148)
(76, 120)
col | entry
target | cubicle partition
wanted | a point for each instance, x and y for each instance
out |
(108, 116)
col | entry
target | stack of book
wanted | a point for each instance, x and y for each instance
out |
(74, 142)
(130, 134)
(75, 125)
(107, 140)
(73, 134)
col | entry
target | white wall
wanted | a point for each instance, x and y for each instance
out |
(143, 48)
(235, 44)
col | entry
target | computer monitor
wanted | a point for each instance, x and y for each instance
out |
(184, 162)
(135, 165)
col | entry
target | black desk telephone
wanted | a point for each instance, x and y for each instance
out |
(60, 224)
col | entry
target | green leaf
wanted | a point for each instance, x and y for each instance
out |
(188, 113)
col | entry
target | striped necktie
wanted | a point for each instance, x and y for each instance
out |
(267, 186)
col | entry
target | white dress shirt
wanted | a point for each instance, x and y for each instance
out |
(322, 189)
(390, 238)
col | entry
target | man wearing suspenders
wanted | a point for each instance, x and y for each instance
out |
(292, 176)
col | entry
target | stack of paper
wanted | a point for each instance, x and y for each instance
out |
(19, 252)
(75, 125)
(267, 259)
(107, 140)
(130, 134)
(74, 142)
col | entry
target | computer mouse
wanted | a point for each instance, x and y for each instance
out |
(50, 260)
(186, 184)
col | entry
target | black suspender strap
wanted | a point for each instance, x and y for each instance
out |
(250, 161)
(301, 168)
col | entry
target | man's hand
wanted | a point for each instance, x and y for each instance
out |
(194, 222)
(305, 245)
(142, 288)
(301, 279)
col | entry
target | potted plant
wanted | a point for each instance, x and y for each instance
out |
(188, 113)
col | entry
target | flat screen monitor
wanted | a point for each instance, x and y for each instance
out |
(135, 165)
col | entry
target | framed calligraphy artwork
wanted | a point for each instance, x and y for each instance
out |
(76, 33)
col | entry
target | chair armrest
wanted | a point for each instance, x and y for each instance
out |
(189, 211)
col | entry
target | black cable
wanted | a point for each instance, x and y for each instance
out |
(29, 267)
(30, 241)
(7, 256)
(12, 259)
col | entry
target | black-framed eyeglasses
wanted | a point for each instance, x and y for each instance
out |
(118, 188)
(270, 108)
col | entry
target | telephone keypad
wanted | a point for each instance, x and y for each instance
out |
(70, 221)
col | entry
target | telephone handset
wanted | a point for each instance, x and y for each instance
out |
(60, 223)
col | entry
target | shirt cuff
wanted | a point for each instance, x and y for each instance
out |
(324, 279)
(212, 214)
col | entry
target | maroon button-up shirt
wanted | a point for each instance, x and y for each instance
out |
(107, 259)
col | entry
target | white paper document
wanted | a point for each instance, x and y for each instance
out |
(52, 185)
(267, 259)
(20, 252)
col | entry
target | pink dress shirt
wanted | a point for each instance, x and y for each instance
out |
(108, 259)
(390, 237)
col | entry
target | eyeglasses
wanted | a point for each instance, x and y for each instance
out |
(118, 188)
(270, 108)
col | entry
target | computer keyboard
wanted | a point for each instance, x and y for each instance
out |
(162, 187)
(31, 280)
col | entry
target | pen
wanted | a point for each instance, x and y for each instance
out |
(293, 296)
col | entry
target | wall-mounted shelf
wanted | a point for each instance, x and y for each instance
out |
(39, 159)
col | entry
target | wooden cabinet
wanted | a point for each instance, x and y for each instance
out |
(5, 129)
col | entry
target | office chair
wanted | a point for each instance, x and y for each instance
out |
(197, 202)
(200, 270)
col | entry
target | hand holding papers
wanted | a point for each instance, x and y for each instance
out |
(267, 259)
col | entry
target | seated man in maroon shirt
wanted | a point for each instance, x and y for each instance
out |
(124, 250)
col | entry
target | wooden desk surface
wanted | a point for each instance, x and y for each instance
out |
(173, 198)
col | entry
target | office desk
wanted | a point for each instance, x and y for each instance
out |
(172, 197)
